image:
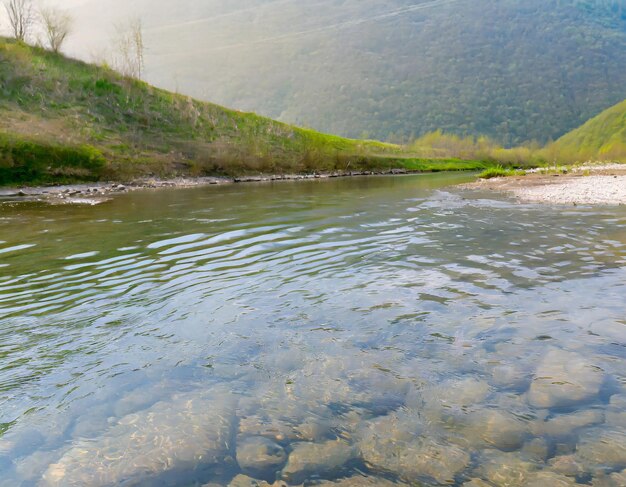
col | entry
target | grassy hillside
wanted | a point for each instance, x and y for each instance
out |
(513, 70)
(62, 119)
(601, 138)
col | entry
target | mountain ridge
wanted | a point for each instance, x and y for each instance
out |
(514, 70)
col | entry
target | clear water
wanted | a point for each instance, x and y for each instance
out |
(400, 328)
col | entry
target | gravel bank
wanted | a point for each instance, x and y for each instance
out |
(603, 185)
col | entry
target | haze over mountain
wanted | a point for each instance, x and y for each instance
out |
(391, 69)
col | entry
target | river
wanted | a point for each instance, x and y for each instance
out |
(363, 331)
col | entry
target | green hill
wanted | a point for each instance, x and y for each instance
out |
(601, 138)
(65, 120)
(513, 70)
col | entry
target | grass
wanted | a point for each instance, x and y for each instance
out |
(29, 161)
(63, 120)
(500, 172)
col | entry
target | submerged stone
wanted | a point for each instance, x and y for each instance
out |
(616, 413)
(567, 424)
(395, 444)
(168, 442)
(564, 379)
(506, 469)
(536, 449)
(361, 482)
(245, 481)
(269, 428)
(260, 456)
(567, 465)
(549, 479)
(500, 429)
(317, 459)
(603, 448)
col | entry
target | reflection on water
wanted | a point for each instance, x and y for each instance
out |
(373, 331)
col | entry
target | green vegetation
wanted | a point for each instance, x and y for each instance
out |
(24, 160)
(513, 70)
(603, 138)
(500, 172)
(64, 120)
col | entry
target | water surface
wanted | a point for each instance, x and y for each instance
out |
(394, 328)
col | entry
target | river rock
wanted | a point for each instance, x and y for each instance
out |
(450, 399)
(245, 481)
(395, 444)
(317, 459)
(616, 412)
(549, 479)
(567, 424)
(564, 379)
(270, 428)
(506, 469)
(616, 479)
(536, 449)
(361, 482)
(164, 443)
(510, 377)
(260, 456)
(476, 483)
(314, 429)
(603, 448)
(500, 429)
(567, 465)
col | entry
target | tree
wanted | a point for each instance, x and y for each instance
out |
(129, 48)
(57, 25)
(21, 17)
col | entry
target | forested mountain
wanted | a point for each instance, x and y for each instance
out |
(514, 70)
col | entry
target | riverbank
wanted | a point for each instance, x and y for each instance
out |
(588, 184)
(96, 193)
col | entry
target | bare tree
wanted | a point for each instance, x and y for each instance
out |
(57, 25)
(21, 17)
(129, 48)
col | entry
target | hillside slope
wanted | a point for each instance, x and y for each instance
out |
(514, 70)
(602, 138)
(64, 119)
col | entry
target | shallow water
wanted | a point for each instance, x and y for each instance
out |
(395, 328)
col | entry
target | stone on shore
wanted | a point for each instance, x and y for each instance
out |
(564, 379)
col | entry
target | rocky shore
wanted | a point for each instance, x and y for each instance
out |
(96, 193)
(584, 185)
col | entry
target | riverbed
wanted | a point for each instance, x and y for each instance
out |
(364, 331)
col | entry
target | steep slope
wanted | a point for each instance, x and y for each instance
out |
(64, 119)
(511, 69)
(603, 137)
